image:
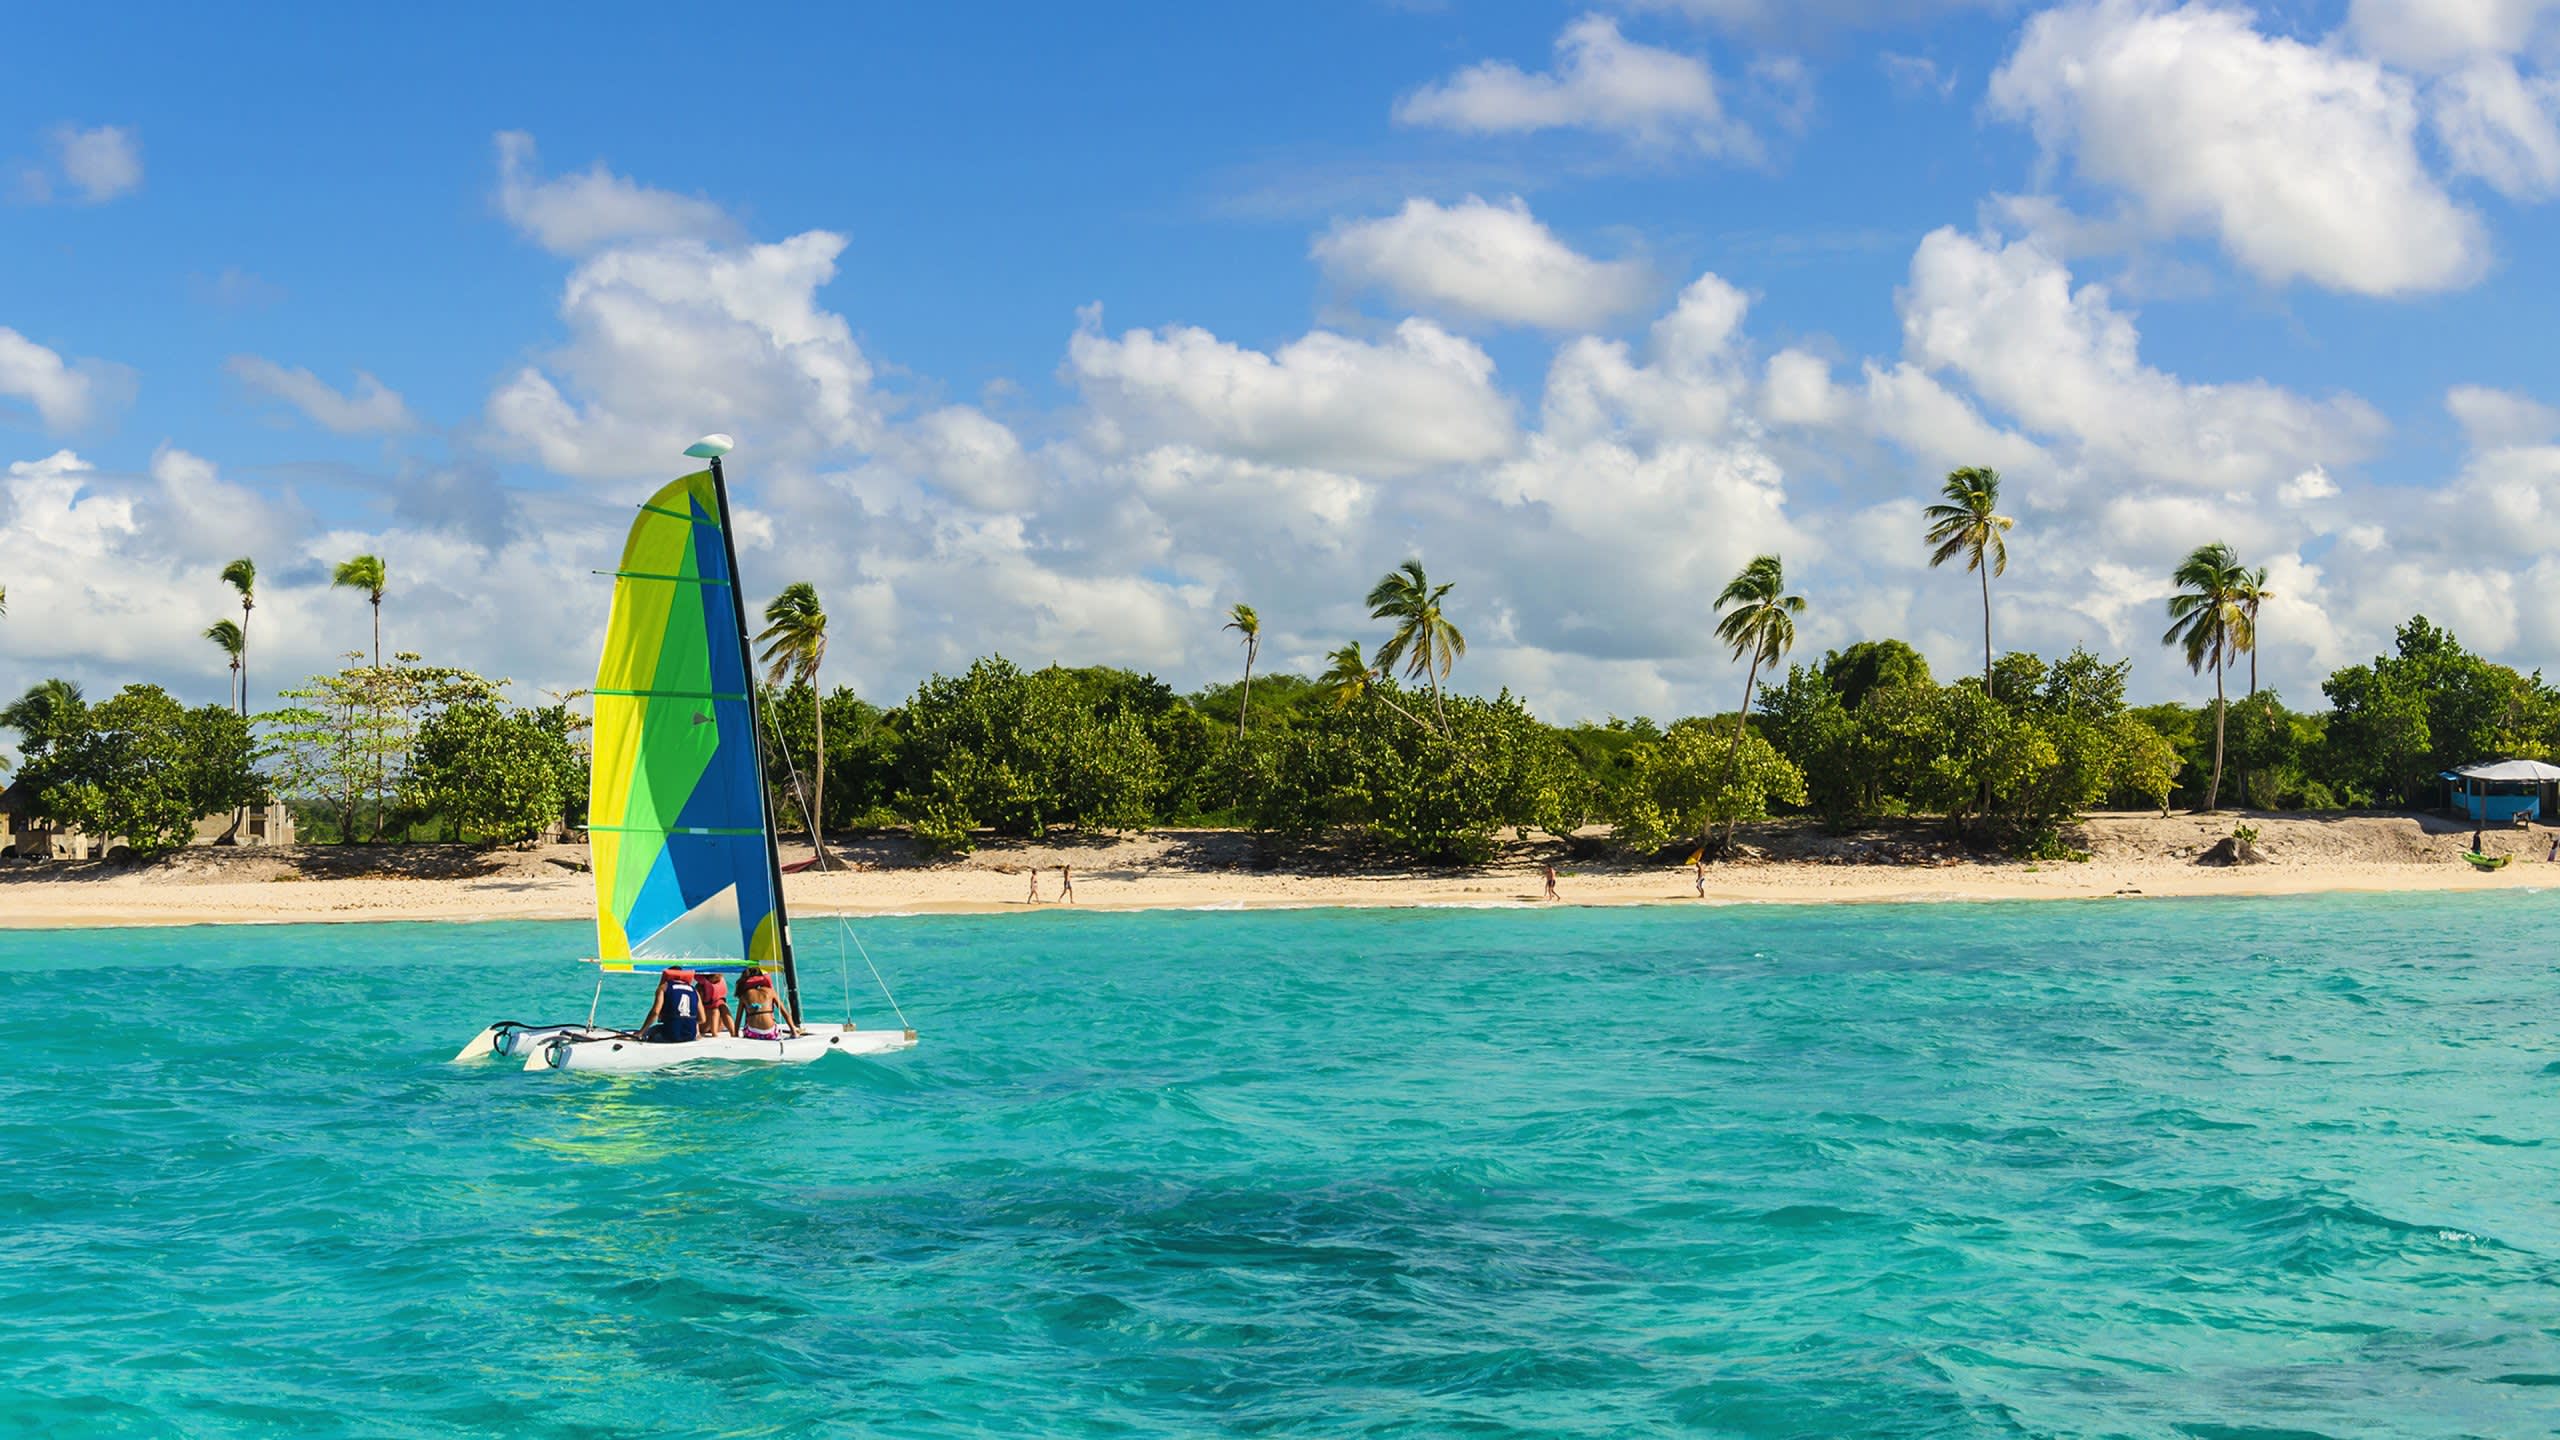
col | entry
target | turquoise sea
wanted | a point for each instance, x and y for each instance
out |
(2205, 1169)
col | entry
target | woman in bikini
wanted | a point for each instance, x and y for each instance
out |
(760, 1014)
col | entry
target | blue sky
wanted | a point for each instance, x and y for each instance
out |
(1585, 305)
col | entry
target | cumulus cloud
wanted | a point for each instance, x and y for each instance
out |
(2498, 125)
(2302, 161)
(580, 212)
(2497, 419)
(368, 408)
(64, 394)
(1480, 261)
(1422, 397)
(2065, 362)
(2431, 34)
(669, 338)
(1601, 81)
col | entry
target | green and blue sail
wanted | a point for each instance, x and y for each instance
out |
(676, 811)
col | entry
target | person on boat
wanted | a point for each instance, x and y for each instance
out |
(760, 1013)
(715, 1003)
(675, 1015)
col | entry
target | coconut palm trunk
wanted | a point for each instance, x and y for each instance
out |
(2213, 792)
(1733, 759)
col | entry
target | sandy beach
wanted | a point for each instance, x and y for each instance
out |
(2148, 855)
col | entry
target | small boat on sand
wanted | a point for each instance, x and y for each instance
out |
(2486, 862)
(688, 876)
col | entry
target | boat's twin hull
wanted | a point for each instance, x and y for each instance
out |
(621, 1054)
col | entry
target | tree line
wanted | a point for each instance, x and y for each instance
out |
(1374, 751)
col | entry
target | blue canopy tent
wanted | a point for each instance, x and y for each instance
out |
(2498, 792)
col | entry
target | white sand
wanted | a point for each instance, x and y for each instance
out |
(2146, 855)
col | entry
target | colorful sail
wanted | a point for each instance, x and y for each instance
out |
(676, 814)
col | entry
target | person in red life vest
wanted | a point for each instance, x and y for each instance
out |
(760, 1013)
(675, 1015)
(715, 1003)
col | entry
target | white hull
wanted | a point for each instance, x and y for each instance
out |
(619, 1055)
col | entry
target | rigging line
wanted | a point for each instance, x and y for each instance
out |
(800, 792)
(903, 1022)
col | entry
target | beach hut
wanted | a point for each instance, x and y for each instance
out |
(2499, 792)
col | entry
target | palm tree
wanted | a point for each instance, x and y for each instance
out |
(1353, 678)
(366, 573)
(1967, 523)
(227, 637)
(1249, 625)
(4, 599)
(795, 644)
(1758, 620)
(242, 575)
(1425, 640)
(2253, 591)
(45, 706)
(2208, 620)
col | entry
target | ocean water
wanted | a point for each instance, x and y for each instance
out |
(2214, 1169)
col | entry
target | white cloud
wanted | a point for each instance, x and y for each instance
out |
(2431, 34)
(1423, 397)
(2498, 125)
(578, 213)
(1602, 81)
(66, 394)
(369, 407)
(2066, 363)
(670, 339)
(2302, 161)
(2500, 419)
(2312, 484)
(1799, 390)
(975, 458)
(1480, 261)
(100, 163)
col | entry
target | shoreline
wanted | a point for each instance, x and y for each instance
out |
(551, 886)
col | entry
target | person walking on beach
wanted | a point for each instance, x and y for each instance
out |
(1551, 884)
(1035, 886)
(1067, 884)
(1698, 863)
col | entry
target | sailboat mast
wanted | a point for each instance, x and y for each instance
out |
(755, 721)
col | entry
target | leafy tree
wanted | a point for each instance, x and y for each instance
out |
(1808, 725)
(1019, 753)
(493, 774)
(2253, 593)
(1966, 522)
(1248, 627)
(1757, 620)
(795, 645)
(1695, 778)
(1425, 641)
(340, 734)
(138, 765)
(1869, 665)
(242, 575)
(2208, 623)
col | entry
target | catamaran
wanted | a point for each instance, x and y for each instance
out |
(688, 876)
